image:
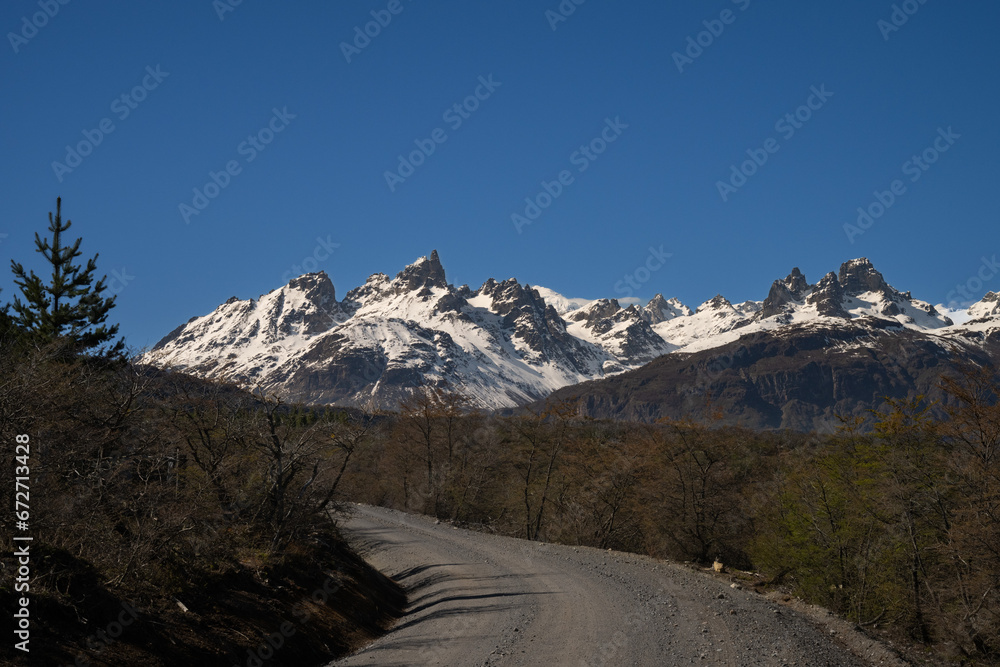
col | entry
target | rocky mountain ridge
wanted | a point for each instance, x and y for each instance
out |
(506, 343)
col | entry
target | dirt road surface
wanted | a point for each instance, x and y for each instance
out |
(480, 599)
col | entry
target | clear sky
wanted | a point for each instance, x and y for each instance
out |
(309, 128)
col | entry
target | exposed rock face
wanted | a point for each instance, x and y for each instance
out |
(421, 276)
(791, 289)
(828, 297)
(534, 323)
(859, 276)
(318, 291)
(661, 310)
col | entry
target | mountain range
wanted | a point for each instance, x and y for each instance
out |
(786, 361)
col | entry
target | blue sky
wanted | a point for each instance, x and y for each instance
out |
(278, 73)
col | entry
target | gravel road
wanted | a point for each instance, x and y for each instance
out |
(479, 599)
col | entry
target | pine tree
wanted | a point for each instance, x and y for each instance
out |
(71, 308)
(6, 323)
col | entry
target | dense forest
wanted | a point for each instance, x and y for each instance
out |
(210, 510)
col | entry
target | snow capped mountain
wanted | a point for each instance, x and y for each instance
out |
(859, 291)
(505, 343)
(712, 323)
(251, 339)
(662, 310)
(501, 345)
(986, 309)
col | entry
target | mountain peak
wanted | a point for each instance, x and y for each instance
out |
(828, 297)
(598, 310)
(796, 282)
(318, 291)
(717, 302)
(426, 272)
(661, 310)
(792, 288)
(317, 286)
(987, 307)
(511, 295)
(858, 276)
